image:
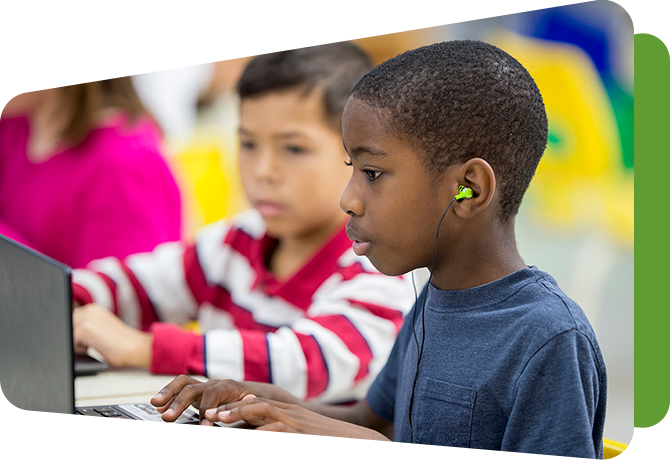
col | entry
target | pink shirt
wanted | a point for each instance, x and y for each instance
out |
(112, 195)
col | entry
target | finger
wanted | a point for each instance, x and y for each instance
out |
(169, 391)
(254, 412)
(189, 395)
(167, 394)
(253, 400)
(205, 422)
(255, 423)
(217, 393)
(209, 404)
(211, 412)
(214, 416)
(80, 349)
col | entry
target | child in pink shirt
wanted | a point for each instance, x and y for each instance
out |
(109, 193)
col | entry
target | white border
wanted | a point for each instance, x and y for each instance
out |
(652, 15)
(652, 444)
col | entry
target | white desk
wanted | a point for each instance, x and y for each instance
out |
(131, 386)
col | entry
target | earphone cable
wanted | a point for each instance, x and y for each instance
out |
(423, 321)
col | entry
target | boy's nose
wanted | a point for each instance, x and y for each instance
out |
(350, 201)
(266, 167)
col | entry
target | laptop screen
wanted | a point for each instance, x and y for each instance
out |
(36, 351)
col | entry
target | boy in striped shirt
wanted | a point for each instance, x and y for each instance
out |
(279, 292)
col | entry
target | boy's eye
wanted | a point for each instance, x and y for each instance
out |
(247, 145)
(295, 149)
(348, 163)
(372, 175)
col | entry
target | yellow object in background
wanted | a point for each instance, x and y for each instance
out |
(612, 448)
(192, 326)
(208, 180)
(581, 181)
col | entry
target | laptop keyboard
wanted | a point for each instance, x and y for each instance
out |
(136, 411)
(106, 434)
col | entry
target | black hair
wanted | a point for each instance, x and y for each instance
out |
(333, 69)
(463, 99)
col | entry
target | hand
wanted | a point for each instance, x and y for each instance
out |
(269, 415)
(185, 391)
(118, 343)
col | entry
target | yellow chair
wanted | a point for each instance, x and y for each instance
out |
(208, 180)
(612, 448)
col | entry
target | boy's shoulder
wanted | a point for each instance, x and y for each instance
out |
(543, 316)
(529, 302)
(547, 305)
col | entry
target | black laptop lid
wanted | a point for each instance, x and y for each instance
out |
(35, 330)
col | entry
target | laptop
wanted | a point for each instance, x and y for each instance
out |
(87, 365)
(36, 350)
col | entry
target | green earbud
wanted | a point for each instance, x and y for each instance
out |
(463, 193)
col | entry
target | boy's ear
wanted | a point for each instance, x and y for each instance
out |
(477, 174)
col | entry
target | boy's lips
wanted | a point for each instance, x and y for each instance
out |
(269, 208)
(360, 245)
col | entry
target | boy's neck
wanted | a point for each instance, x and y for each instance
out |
(477, 261)
(292, 252)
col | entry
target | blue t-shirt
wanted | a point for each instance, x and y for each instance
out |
(511, 365)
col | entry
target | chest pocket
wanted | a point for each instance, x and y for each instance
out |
(444, 414)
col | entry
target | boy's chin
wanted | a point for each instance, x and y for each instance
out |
(387, 267)
(279, 228)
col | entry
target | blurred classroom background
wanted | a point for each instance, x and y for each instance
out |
(577, 218)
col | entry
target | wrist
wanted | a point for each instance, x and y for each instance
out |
(140, 353)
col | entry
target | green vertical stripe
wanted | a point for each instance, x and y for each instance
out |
(652, 230)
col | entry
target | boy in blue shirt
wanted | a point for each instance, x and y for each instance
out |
(444, 141)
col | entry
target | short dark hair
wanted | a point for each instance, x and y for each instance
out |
(463, 99)
(334, 69)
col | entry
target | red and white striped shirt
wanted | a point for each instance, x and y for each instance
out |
(322, 335)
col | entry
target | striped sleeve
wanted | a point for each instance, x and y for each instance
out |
(149, 287)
